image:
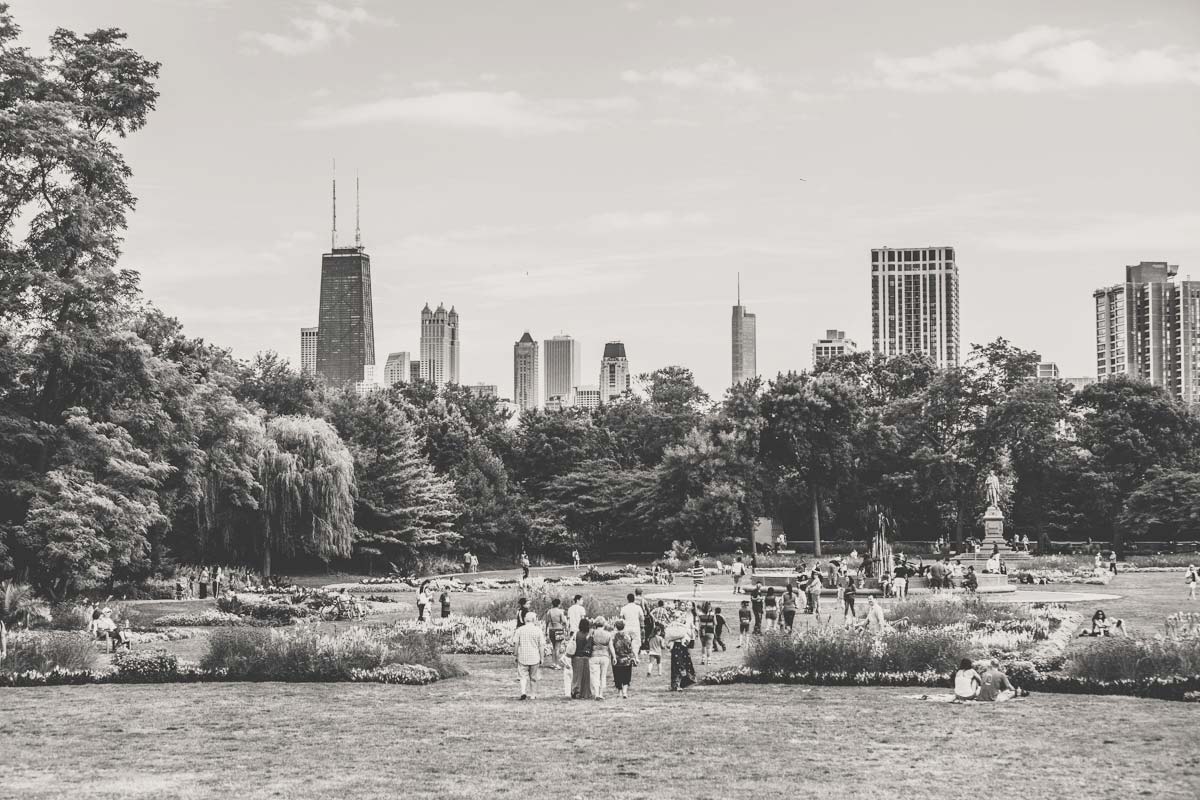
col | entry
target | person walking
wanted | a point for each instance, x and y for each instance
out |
(719, 639)
(1112, 561)
(814, 593)
(624, 648)
(556, 631)
(444, 600)
(576, 614)
(683, 674)
(744, 617)
(771, 608)
(876, 622)
(603, 656)
(707, 624)
(654, 650)
(756, 606)
(529, 645)
(646, 626)
(575, 558)
(697, 577)
(204, 583)
(790, 604)
(217, 578)
(191, 578)
(423, 603)
(581, 682)
(848, 594)
(634, 618)
(1191, 579)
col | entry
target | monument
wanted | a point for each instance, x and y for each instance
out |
(993, 517)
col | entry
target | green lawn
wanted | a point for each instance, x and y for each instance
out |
(469, 737)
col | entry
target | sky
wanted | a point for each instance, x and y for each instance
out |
(606, 169)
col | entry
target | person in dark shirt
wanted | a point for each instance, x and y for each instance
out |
(719, 641)
(848, 595)
(445, 601)
(756, 605)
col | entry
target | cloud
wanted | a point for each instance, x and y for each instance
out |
(1155, 236)
(701, 22)
(1040, 59)
(722, 75)
(507, 112)
(625, 221)
(325, 24)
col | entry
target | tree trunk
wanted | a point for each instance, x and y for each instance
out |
(958, 529)
(266, 569)
(816, 522)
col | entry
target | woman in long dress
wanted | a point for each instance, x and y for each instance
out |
(581, 681)
(683, 674)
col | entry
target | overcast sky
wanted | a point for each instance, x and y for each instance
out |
(606, 168)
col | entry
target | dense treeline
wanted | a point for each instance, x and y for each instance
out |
(126, 445)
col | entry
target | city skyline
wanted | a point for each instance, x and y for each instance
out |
(666, 158)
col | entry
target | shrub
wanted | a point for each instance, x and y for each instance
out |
(275, 613)
(235, 649)
(44, 651)
(145, 667)
(1115, 659)
(419, 647)
(938, 610)
(408, 674)
(838, 650)
(206, 618)
(69, 617)
(919, 650)
(504, 608)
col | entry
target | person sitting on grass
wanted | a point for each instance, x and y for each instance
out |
(971, 580)
(995, 686)
(1100, 626)
(967, 682)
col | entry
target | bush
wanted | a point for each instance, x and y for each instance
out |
(919, 650)
(146, 667)
(275, 613)
(419, 647)
(206, 618)
(938, 610)
(43, 651)
(407, 674)
(834, 650)
(1116, 659)
(503, 609)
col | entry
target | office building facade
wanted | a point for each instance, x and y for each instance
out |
(525, 373)
(834, 344)
(346, 326)
(397, 368)
(561, 355)
(1149, 328)
(914, 303)
(585, 397)
(440, 345)
(308, 351)
(484, 390)
(614, 373)
(744, 333)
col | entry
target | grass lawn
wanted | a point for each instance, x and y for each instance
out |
(469, 737)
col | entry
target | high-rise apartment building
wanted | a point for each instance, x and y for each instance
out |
(562, 364)
(525, 373)
(345, 323)
(1149, 328)
(439, 345)
(585, 397)
(914, 303)
(744, 332)
(308, 351)
(835, 343)
(614, 372)
(414, 372)
(397, 368)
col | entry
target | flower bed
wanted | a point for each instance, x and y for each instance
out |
(1176, 688)
(206, 618)
(465, 636)
(407, 674)
(1078, 576)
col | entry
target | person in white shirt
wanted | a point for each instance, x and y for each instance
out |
(635, 619)
(575, 613)
(967, 682)
(738, 571)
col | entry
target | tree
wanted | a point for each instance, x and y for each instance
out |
(808, 435)
(403, 511)
(549, 444)
(307, 478)
(270, 382)
(1164, 508)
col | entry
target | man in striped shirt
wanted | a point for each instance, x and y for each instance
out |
(697, 577)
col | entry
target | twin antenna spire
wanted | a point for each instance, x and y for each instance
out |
(357, 219)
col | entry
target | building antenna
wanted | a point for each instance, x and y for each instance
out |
(333, 237)
(357, 229)
(739, 281)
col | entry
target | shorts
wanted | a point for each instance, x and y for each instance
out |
(743, 627)
(557, 635)
(656, 658)
(771, 613)
(706, 640)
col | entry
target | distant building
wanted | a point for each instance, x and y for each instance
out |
(914, 303)
(585, 397)
(1079, 383)
(484, 390)
(440, 345)
(562, 365)
(1046, 371)
(414, 372)
(1149, 328)
(369, 383)
(614, 372)
(397, 369)
(308, 350)
(744, 332)
(346, 327)
(525, 373)
(835, 343)
(556, 403)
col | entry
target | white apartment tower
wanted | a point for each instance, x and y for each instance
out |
(396, 369)
(1149, 328)
(914, 303)
(308, 350)
(614, 372)
(562, 363)
(525, 373)
(439, 345)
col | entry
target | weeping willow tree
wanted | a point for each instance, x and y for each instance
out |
(307, 478)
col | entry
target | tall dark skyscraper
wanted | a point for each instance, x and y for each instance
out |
(346, 325)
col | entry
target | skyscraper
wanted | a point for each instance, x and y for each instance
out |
(562, 355)
(1149, 328)
(745, 343)
(308, 350)
(835, 343)
(525, 373)
(439, 345)
(396, 369)
(614, 372)
(914, 303)
(346, 326)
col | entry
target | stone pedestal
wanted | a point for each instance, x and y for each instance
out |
(993, 530)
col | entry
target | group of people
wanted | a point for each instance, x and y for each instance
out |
(587, 650)
(425, 602)
(990, 686)
(104, 627)
(470, 562)
(192, 583)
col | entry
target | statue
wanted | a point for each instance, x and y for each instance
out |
(992, 487)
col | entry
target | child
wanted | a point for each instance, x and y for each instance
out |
(707, 623)
(564, 663)
(744, 617)
(445, 601)
(654, 649)
(718, 641)
(697, 577)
